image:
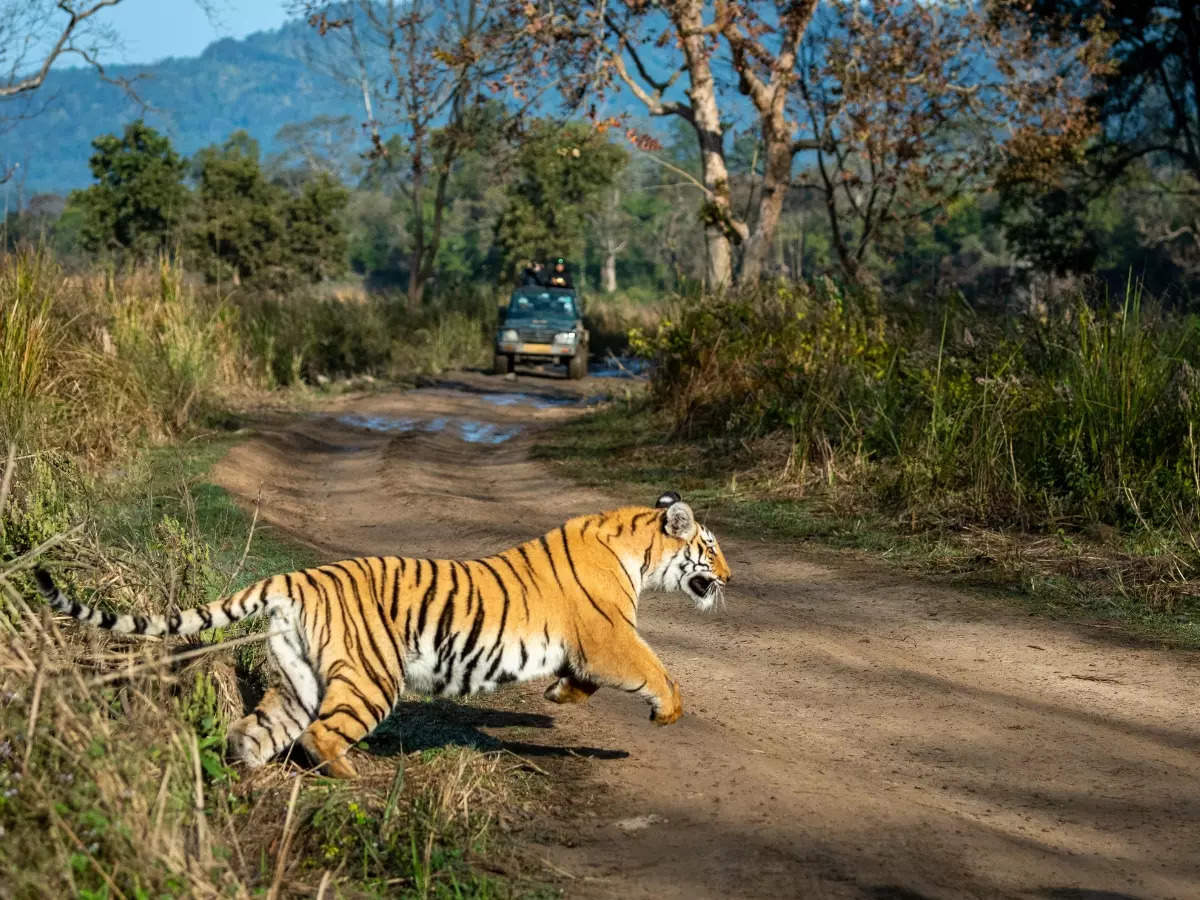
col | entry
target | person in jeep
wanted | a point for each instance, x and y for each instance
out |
(534, 274)
(560, 276)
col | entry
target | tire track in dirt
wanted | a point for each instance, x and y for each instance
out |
(848, 731)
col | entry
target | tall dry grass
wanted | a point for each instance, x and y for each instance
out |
(28, 340)
(113, 781)
(611, 317)
(94, 363)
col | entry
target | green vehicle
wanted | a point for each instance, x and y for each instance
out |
(542, 324)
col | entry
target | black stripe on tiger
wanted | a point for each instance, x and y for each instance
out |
(575, 574)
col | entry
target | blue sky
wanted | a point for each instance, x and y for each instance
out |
(153, 29)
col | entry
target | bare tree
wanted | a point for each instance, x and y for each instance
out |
(764, 61)
(610, 227)
(425, 65)
(34, 35)
(914, 103)
(318, 146)
(649, 48)
(624, 43)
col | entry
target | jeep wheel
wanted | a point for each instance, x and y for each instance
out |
(502, 364)
(577, 367)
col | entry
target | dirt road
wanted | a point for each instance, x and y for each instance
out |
(848, 731)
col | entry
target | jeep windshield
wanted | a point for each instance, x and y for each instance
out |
(529, 305)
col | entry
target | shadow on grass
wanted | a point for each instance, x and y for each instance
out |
(433, 724)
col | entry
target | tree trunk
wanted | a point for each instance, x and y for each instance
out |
(428, 261)
(719, 225)
(416, 278)
(608, 275)
(769, 98)
(416, 265)
(777, 177)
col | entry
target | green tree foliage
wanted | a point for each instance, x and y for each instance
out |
(315, 235)
(1133, 194)
(247, 228)
(1150, 101)
(139, 197)
(238, 230)
(561, 172)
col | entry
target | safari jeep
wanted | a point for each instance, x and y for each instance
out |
(542, 324)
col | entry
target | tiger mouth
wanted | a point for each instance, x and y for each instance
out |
(701, 584)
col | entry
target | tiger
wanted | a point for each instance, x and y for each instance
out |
(348, 638)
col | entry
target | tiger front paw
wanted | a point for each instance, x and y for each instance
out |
(667, 712)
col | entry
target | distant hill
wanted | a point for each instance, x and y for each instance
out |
(259, 83)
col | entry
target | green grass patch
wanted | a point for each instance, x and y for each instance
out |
(172, 483)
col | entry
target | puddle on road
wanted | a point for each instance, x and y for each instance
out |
(620, 367)
(472, 431)
(486, 432)
(378, 423)
(533, 400)
(540, 402)
(469, 430)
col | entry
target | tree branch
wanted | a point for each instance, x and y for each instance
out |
(803, 144)
(691, 179)
(652, 102)
(61, 46)
(625, 44)
(749, 82)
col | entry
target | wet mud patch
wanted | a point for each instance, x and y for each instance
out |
(472, 431)
(539, 401)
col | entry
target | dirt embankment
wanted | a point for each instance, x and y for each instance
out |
(849, 732)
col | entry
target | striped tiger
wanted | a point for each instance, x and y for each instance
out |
(349, 637)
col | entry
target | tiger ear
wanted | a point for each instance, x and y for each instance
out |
(679, 521)
(667, 499)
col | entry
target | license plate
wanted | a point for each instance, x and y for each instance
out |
(536, 348)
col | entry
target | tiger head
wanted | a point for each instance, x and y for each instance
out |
(692, 561)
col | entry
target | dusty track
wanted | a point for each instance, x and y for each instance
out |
(849, 732)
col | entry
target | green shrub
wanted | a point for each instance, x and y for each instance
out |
(307, 339)
(1088, 416)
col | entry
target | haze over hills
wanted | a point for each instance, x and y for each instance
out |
(259, 83)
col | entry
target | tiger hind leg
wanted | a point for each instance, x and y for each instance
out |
(570, 689)
(285, 711)
(270, 729)
(344, 719)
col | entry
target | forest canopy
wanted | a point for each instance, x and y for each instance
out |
(923, 148)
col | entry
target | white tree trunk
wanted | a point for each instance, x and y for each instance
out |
(706, 119)
(608, 275)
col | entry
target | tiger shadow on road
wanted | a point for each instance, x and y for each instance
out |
(416, 725)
